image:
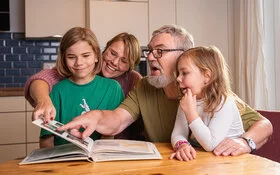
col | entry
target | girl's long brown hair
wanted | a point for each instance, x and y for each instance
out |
(210, 60)
(71, 37)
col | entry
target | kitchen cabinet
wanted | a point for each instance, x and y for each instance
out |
(20, 135)
(33, 131)
(9, 152)
(13, 125)
(46, 18)
(109, 18)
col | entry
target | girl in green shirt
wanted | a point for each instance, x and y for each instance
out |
(79, 60)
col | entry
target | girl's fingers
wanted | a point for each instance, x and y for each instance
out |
(178, 156)
(189, 92)
(194, 98)
(172, 155)
(185, 155)
(188, 155)
(193, 153)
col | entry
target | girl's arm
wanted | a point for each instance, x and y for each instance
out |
(226, 122)
(259, 132)
(182, 149)
(181, 128)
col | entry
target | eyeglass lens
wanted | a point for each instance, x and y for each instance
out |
(156, 53)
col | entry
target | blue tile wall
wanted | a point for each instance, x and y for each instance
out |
(21, 58)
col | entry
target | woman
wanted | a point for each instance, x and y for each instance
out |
(120, 56)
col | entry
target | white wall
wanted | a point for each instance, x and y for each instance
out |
(210, 22)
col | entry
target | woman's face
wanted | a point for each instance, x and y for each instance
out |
(115, 60)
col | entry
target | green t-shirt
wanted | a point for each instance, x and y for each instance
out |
(159, 112)
(71, 100)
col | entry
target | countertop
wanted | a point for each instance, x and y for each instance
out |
(7, 92)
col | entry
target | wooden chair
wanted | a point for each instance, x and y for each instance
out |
(271, 149)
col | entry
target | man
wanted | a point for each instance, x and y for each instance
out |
(155, 99)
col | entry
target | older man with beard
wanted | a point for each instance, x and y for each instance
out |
(155, 99)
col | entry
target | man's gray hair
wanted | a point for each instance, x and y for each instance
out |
(183, 38)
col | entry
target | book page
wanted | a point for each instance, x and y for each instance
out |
(117, 145)
(53, 125)
(54, 154)
(131, 151)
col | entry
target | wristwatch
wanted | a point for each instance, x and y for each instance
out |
(250, 143)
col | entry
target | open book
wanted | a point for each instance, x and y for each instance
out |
(96, 151)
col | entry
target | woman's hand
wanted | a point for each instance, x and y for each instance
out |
(185, 152)
(45, 109)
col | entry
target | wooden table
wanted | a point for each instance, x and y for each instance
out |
(205, 163)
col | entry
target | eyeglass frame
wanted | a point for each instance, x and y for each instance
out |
(146, 52)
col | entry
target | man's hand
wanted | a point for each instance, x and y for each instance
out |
(232, 147)
(44, 109)
(87, 121)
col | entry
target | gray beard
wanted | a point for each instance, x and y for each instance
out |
(158, 81)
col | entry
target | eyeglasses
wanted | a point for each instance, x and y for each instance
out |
(157, 53)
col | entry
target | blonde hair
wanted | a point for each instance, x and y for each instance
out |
(71, 37)
(131, 46)
(210, 60)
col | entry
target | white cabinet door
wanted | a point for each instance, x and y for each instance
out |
(12, 104)
(109, 18)
(32, 131)
(161, 12)
(9, 152)
(14, 127)
(45, 18)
